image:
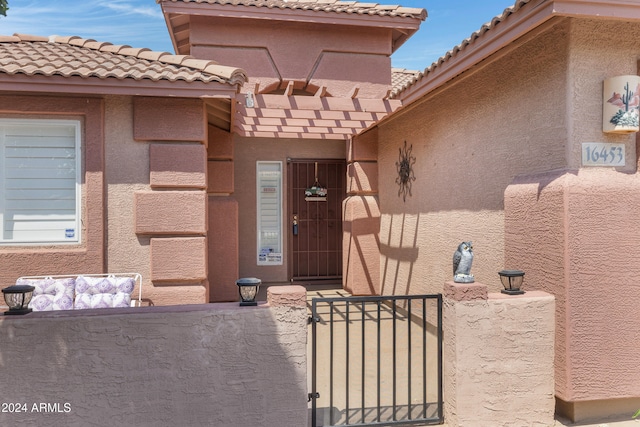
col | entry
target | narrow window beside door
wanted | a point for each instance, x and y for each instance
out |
(40, 181)
(269, 191)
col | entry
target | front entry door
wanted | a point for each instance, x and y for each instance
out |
(315, 220)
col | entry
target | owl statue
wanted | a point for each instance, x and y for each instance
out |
(462, 260)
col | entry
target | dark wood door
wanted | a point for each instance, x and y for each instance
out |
(315, 222)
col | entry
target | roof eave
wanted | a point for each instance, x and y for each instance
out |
(405, 27)
(293, 15)
(627, 10)
(93, 86)
(477, 49)
(167, 20)
(530, 14)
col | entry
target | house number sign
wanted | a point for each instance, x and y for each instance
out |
(602, 154)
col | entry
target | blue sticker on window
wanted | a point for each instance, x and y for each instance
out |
(70, 233)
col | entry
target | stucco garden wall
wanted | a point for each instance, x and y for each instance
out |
(498, 357)
(247, 153)
(469, 141)
(216, 364)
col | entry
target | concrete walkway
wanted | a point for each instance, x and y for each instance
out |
(330, 412)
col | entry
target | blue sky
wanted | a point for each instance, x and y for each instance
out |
(139, 23)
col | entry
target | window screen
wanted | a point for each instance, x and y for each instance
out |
(40, 181)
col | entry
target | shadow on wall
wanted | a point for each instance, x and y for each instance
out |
(363, 238)
(217, 364)
(398, 248)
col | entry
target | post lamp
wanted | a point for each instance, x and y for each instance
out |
(17, 297)
(248, 289)
(512, 281)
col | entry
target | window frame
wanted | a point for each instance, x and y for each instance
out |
(272, 187)
(76, 125)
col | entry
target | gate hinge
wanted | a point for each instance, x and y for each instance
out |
(312, 319)
(313, 396)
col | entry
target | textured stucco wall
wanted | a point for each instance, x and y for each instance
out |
(577, 228)
(127, 171)
(216, 365)
(498, 353)
(585, 226)
(598, 50)
(247, 153)
(338, 57)
(469, 141)
(171, 224)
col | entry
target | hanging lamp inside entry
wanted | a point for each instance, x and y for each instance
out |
(317, 192)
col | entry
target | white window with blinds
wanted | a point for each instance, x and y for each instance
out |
(269, 190)
(40, 180)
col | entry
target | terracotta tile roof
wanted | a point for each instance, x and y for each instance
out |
(337, 6)
(465, 44)
(401, 78)
(75, 56)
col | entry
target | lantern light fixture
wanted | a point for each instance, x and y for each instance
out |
(512, 281)
(17, 298)
(248, 289)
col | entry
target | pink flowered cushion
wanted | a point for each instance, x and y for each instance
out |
(50, 294)
(103, 292)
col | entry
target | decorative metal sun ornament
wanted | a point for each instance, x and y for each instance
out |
(404, 165)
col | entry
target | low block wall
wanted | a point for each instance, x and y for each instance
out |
(214, 365)
(498, 357)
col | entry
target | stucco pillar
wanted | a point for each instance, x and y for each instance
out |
(498, 357)
(361, 217)
(172, 212)
(223, 233)
(578, 230)
(223, 249)
(361, 245)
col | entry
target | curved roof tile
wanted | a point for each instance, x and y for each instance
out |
(401, 78)
(466, 43)
(337, 6)
(75, 56)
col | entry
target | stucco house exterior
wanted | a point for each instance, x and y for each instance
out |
(191, 169)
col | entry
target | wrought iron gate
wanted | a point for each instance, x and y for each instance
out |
(376, 361)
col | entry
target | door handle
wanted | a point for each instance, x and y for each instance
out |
(294, 225)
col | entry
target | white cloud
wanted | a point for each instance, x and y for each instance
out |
(131, 9)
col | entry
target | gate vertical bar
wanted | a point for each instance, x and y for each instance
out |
(363, 362)
(331, 420)
(314, 362)
(424, 357)
(440, 363)
(395, 381)
(409, 338)
(378, 350)
(348, 308)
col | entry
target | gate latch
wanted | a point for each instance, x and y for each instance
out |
(312, 319)
(315, 395)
